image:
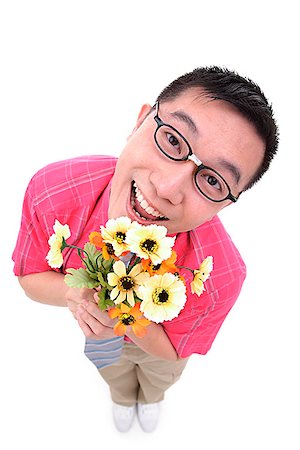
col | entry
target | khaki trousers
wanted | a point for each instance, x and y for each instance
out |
(139, 377)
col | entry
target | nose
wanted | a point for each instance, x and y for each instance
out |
(173, 180)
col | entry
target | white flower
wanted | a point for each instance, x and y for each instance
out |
(150, 242)
(206, 267)
(201, 275)
(61, 233)
(163, 297)
(125, 284)
(115, 232)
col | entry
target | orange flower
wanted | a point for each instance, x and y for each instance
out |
(129, 317)
(108, 252)
(167, 265)
(96, 239)
(107, 249)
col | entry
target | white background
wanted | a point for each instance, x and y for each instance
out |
(73, 76)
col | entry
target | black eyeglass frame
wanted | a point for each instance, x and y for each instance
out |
(192, 157)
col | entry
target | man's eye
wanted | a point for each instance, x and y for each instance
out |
(173, 140)
(213, 181)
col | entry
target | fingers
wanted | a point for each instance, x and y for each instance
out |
(83, 304)
(91, 313)
(95, 311)
(72, 307)
(91, 327)
(96, 298)
(76, 297)
(87, 331)
(87, 294)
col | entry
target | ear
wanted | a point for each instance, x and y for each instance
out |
(144, 111)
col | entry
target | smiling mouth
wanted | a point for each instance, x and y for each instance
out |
(142, 208)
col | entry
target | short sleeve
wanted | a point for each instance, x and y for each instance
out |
(32, 242)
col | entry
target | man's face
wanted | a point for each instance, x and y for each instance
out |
(150, 188)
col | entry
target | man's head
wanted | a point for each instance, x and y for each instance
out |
(223, 121)
(243, 93)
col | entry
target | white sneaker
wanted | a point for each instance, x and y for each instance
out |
(148, 415)
(123, 417)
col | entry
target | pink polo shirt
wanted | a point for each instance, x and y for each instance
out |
(76, 192)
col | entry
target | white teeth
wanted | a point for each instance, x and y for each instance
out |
(144, 204)
(149, 210)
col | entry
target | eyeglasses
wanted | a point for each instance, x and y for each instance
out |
(174, 145)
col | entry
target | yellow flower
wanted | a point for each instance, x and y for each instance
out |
(129, 317)
(125, 284)
(201, 275)
(150, 242)
(115, 232)
(163, 297)
(61, 233)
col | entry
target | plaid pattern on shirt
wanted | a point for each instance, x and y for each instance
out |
(76, 192)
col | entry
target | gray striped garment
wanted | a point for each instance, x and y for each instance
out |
(105, 352)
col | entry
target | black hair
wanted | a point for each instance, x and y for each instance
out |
(222, 84)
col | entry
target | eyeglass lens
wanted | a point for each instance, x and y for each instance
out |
(174, 146)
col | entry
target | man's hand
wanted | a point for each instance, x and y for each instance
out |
(95, 324)
(76, 297)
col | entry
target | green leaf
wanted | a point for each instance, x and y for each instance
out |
(102, 280)
(104, 299)
(92, 253)
(93, 275)
(109, 302)
(79, 278)
(107, 265)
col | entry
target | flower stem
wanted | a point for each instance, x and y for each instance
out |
(80, 250)
(184, 267)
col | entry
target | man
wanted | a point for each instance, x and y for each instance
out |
(210, 136)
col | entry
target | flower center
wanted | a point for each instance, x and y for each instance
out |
(126, 283)
(110, 249)
(155, 267)
(160, 296)
(149, 246)
(120, 237)
(127, 319)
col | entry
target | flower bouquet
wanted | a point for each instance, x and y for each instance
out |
(132, 268)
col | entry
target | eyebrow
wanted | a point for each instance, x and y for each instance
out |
(232, 168)
(184, 117)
